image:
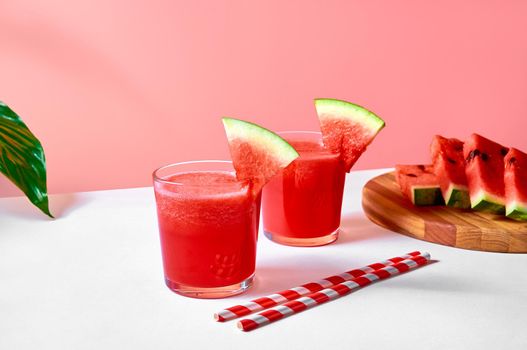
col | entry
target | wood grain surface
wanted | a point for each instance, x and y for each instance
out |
(385, 205)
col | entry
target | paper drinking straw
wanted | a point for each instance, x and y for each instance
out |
(325, 295)
(300, 291)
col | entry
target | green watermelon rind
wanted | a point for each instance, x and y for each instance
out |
(275, 146)
(427, 195)
(348, 110)
(487, 203)
(457, 197)
(516, 211)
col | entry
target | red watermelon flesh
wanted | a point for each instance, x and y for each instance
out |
(516, 184)
(419, 184)
(449, 166)
(484, 171)
(251, 162)
(352, 146)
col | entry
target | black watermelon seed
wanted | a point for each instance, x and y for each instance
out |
(411, 175)
(451, 161)
(512, 161)
(473, 154)
(422, 167)
(504, 151)
(484, 156)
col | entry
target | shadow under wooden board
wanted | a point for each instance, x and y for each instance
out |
(385, 205)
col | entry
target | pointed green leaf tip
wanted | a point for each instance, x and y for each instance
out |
(22, 158)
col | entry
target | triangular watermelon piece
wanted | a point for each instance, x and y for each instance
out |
(516, 184)
(484, 171)
(347, 128)
(419, 184)
(449, 166)
(257, 154)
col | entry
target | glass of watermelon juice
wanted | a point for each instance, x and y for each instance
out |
(208, 225)
(301, 206)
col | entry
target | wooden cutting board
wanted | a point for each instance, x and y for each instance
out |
(385, 205)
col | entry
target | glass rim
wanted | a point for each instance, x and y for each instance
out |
(156, 178)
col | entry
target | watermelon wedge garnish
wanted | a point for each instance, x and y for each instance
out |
(419, 184)
(347, 128)
(516, 184)
(257, 154)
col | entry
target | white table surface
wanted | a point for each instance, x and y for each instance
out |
(92, 279)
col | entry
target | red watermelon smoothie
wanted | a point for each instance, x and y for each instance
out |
(301, 206)
(208, 225)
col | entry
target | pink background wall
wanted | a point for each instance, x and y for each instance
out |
(115, 88)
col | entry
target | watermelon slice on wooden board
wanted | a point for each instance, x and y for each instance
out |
(449, 166)
(419, 184)
(257, 154)
(484, 171)
(347, 128)
(516, 184)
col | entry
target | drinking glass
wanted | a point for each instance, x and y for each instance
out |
(208, 226)
(302, 205)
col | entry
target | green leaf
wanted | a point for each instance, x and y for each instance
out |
(22, 158)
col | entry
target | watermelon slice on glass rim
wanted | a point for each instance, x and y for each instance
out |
(347, 128)
(257, 153)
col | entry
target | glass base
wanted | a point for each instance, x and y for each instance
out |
(210, 293)
(303, 242)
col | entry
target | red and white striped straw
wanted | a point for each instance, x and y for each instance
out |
(334, 292)
(300, 291)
